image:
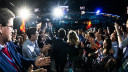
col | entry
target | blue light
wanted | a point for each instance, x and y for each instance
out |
(98, 11)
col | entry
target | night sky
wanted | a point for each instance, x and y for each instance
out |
(107, 6)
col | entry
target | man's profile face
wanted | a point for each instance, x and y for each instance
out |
(7, 31)
(35, 36)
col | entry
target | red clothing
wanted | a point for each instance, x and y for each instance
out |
(93, 47)
(5, 51)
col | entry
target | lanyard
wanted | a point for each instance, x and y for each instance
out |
(12, 61)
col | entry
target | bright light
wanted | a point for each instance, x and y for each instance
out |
(82, 12)
(36, 10)
(57, 12)
(98, 11)
(24, 13)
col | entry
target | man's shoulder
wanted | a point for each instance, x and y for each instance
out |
(26, 42)
(11, 44)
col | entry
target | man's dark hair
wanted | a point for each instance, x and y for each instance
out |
(31, 31)
(80, 30)
(41, 32)
(61, 33)
(5, 15)
(91, 35)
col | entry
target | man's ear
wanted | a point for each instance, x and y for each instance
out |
(0, 29)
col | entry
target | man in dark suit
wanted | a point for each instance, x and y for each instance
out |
(60, 50)
(10, 60)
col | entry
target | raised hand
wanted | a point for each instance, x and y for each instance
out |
(116, 26)
(90, 54)
(30, 69)
(111, 51)
(49, 24)
(45, 48)
(42, 61)
(46, 25)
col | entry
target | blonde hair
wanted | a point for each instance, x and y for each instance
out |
(72, 37)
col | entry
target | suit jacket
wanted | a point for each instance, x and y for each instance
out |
(60, 50)
(21, 61)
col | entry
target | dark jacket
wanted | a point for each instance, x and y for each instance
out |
(40, 43)
(59, 49)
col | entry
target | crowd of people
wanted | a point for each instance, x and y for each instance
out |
(94, 50)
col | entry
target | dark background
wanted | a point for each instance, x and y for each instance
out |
(117, 7)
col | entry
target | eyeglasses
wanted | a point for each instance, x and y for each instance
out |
(10, 26)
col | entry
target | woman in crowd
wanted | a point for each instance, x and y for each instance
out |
(104, 60)
(74, 47)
